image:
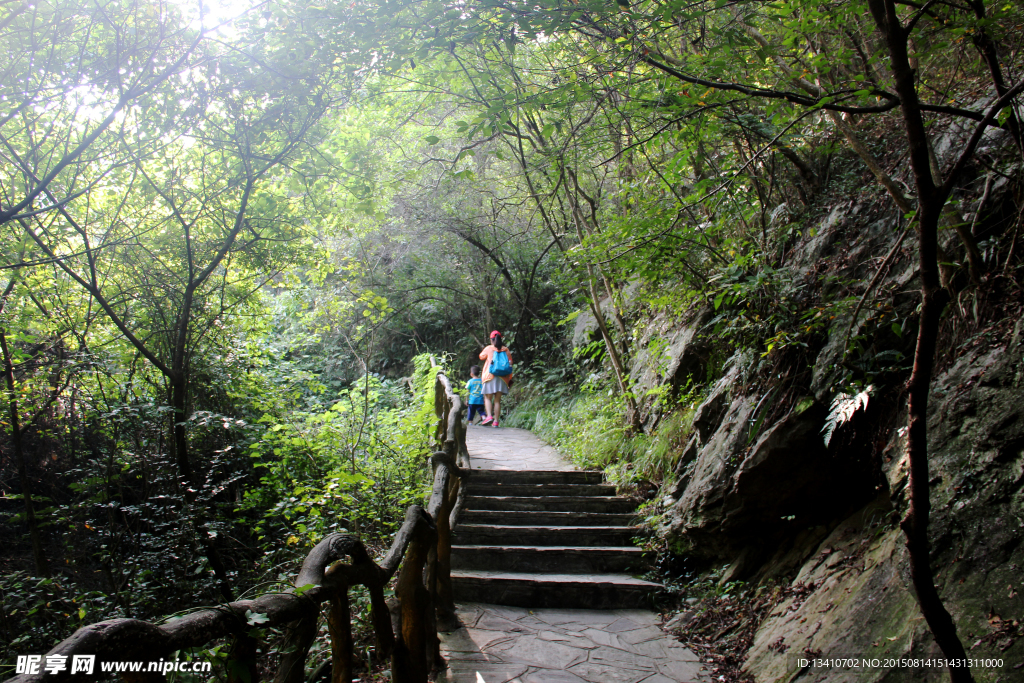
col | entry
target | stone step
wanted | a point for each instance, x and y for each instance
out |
(494, 534)
(544, 518)
(576, 490)
(551, 503)
(534, 477)
(591, 591)
(561, 559)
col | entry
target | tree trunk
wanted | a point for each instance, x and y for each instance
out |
(915, 524)
(191, 484)
(807, 174)
(179, 436)
(613, 298)
(632, 414)
(42, 567)
(933, 300)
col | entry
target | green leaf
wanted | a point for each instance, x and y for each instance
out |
(432, 139)
(803, 404)
(255, 618)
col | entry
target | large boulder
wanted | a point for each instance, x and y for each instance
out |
(585, 330)
(708, 415)
(743, 497)
(806, 256)
(693, 523)
(667, 354)
(848, 600)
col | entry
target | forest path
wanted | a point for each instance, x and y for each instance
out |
(512, 449)
(552, 644)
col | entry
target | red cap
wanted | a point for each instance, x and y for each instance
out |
(495, 334)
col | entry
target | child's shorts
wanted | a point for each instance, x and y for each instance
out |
(475, 409)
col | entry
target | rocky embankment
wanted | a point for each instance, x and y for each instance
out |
(760, 497)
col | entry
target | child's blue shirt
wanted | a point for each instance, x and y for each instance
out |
(476, 391)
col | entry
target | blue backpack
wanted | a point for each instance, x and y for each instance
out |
(500, 364)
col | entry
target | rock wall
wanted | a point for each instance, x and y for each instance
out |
(667, 351)
(747, 485)
(859, 601)
(767, 500)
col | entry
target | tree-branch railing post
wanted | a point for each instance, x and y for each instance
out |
(409, 659)
(451, 464)
(420, 554)
(439, 561)
(339, 625)
(241, 665)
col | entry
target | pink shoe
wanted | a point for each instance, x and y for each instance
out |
(495, 424)
(486, 420)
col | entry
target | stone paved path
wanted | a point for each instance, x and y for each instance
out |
(512, 644)
(499, 644)
(511, 449)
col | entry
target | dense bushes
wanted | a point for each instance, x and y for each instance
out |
(124, 540)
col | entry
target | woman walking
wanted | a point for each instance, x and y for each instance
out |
(497, 375)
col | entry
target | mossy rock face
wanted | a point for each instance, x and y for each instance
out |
(697, 518)
(667, 354)
(854, 597)
(849, 602)
(750, 497)
(977, 471)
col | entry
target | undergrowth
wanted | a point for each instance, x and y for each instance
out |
(350, 463)
(587, 427)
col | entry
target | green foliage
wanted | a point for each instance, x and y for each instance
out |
(35, 612)
(352, 467)
(234, 239)
(588, 428)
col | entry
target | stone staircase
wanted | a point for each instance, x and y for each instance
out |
(546, 538)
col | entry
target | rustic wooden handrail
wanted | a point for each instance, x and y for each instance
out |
(406, 626)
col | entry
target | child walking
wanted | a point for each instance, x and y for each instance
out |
(476, 394)
(497, 373)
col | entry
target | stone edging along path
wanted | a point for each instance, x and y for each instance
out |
(531, 644)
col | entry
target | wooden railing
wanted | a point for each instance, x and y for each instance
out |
(406, 626)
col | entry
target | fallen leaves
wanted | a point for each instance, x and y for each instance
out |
(720, 629)
(1005, 632)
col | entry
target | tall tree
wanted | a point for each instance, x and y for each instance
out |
(178, 213)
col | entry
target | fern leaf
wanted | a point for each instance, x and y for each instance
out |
(842, 410)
